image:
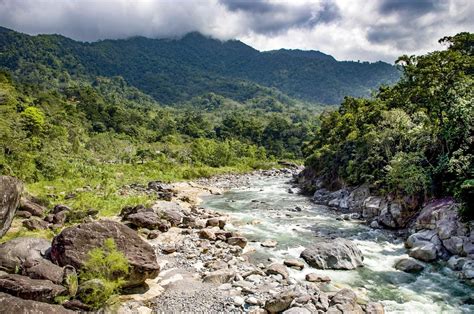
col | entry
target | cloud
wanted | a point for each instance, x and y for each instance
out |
(349, 30)
(272, 18)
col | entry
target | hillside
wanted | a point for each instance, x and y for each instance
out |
(174, 70)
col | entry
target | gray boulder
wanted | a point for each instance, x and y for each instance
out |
(170, 211)
(15, 252)
(31, 289)
(73, 244)
(11, 304)
(454, 245)
(372, 206)
(35, 223)
(43, 269)
(425, 252)
(333, 254)
(409, 265)
(10, 193)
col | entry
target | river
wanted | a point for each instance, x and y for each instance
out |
(265, 210)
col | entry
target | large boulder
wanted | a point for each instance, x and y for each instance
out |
(15, 252)
(344, 301)
(409, 265)
(73, 244)
(333, 254)
(11, 304)
(10, 194)
(145, 219)
(425, 252)
(277, 269)
(31, 289)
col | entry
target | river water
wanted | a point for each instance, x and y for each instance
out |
(265, 211)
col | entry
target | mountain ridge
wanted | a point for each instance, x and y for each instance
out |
(173, 70)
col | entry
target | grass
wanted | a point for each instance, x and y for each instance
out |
(100, 187)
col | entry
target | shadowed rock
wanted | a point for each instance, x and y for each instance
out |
(11, 304)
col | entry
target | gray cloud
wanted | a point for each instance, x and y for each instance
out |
(411, 7)
(349, 30)
(272, 18)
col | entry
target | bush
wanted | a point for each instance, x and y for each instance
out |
(102, 275)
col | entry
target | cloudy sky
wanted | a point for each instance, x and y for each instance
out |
(347, 29)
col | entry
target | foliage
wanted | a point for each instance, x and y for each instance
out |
(414, 138)
(108, 265)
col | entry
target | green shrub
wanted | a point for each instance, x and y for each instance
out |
(102, 275)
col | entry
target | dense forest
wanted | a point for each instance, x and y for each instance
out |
(414, 138)
(176, 70)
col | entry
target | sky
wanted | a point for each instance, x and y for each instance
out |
(366, 30)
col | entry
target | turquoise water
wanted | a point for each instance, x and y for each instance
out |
(264, 211)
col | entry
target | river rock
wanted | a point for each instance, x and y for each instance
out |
(219, 276)
(372, 206)
(408, 265)
(42, 269)
(215, 222)
(468, 269)
(280, 302)
(432, 211)
(11, 304)
(297, 310)
(61, 208)
(312, 277)
(238, 241)
(10, 193)
(277, 269)
(456, 262)
(145, 219)
(426, 252)
(269, 243)
(356, 198)
(35, 223)
(454, 245)
(73, 244)
(207, 234)
(333, 254)
(170, 211)
(14, 252)
(31, 207)
(294, 263)
(31, 289)
(375, 308)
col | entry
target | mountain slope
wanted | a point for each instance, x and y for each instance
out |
(173, 70)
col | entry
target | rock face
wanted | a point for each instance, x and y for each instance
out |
(11, 304)
(31, 289)
(333, 254)
(15, 252)
(10, 193)
(72, 245)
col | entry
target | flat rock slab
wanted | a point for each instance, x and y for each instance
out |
(73, 244)
(31, 289)
(15, 252)
(11, 304)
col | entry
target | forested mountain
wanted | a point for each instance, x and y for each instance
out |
(174, 70)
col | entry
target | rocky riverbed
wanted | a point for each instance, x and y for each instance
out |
(233, 243)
